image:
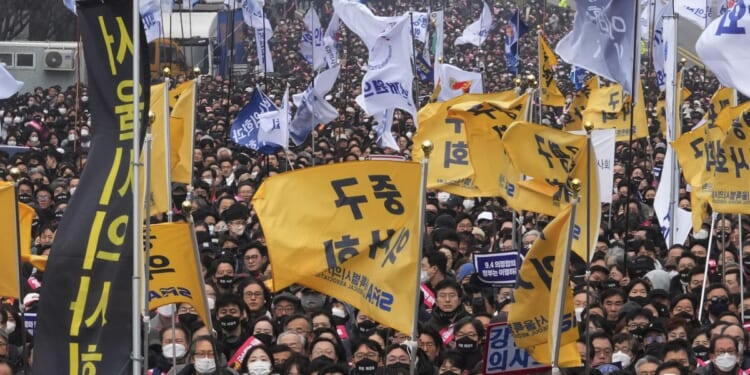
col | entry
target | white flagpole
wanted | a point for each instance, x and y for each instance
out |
(137, 356)
(672, 119)
(146, 234)
(168, 145)
(427, 148)
(714, 216)
(562, 281)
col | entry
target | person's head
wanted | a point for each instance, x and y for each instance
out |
(203, 355)
(255, 294)
(724, 352)
(430, 342)
(717, 299)
(258, 361)
(683, 305)
(230, 311)
(293, 340)
(285, 304)
(434, 266)
(6, 368)
(647, 365)
(222, 272)
(468, 333)
(174, 343)
(396, 354)
(671, 368)
(367, 356)
(448, 295)
(299, 323)
(677, 351)
(451, 362)
(264, 330)
(612, 300)
(600, 349)
(255, 258)
(323, 347)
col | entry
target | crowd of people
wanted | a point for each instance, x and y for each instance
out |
(642, 307)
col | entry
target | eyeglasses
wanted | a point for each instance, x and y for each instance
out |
(252, 257)
(426, 344)
(186, 310)
(471, 335)
(447, 295)
(252, 295)
(285, 309)
(369, 355)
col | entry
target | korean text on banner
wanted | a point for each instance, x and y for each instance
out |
(356, 226)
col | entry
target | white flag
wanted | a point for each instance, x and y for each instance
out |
(388, 81)
(8, 84)
(723, 47)
(670, 75)
(602, 40)
(360, 19)
(456, 82)
(253, 14)
(660, 44)
(419, 21)
(383, 130)
(700, 12)
(683, 219)
(478, 31)
(603, 141)
(274, 125)
(311, 45)
(329, 42)
(151, 15)
(312, 108)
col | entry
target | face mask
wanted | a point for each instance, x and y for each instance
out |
(165, 311)
(701, 352)
(225, 281)
(637, 333)
(424, 277)
(265, 338)
(71, 137)
(717, 308)
(170, 351)
(33, 139)
(685, 315)
(578, 311)
(449, 373)
(208, 181)
(205, 365)
(649, 201)
(259, 368)
(7, 120)
(397, 368)
(443, 196)
(466, 345)
(211, 303)
(639, 300)
(62, 110)
(726, 361)
(17, 120)
(10, 327)
(338, 312)
(229, 322)
(84, 98)
(366, 366)
(366, 326)
(477, 305)
(11, 143)
(468, 204)
(84, 132)
(622, 358)
(685, 275)
(237, 230)
(187, 319)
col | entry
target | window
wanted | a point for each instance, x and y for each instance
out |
(24, 60)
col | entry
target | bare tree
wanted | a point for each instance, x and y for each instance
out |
(14, 18)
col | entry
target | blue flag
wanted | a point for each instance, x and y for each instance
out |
(245, 126)
(425, 71)
(514, 30)
(603, 40)
(577, 74)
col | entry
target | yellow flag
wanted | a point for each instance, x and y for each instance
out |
(9, 279)
(25, 218)
(609, 107)
(349, 230)
(728, 159)
(579, 103)
(159, 185)
(558, 157)
(721, 99)
(450, 167)
(182, 129)
(530, 321)
(550, 93)
(174, 269)
(692, 155)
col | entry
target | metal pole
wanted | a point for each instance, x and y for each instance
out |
(413, 63)
(742, 271)
(427, 148)
(137, 356)
(562, 282)
(168, 149)
(146, 237)
(633, 96)
(705, 270)
(16, 173)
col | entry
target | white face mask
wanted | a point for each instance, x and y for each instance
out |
(208, 181)
(173, 350)
(622, 357)
(7, 120)
(259, 368)
(11, 143)
(424, 276)
(205, 365)
(726, 361)
(10, 327)
(443, 196)
(468, 204)
(165, 311)
(84, 98)
(84, 132)
(338, 312)
(17, 119)
(578, 311)
(63, 110)
(71, 137)
(237, 230)
(211, 303)
(33, 139)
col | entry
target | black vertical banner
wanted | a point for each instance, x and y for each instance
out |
(84, 324)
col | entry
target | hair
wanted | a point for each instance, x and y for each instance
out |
(449, 283)
(469, 320)
(227, 299)
(265, 318)
(712, 346)
(672, 364)
(609, 292)
(455, 358)
(303, 340)
(254, 348)
(295, 316)
(199, 339)
(597, 335)
(177, 326)
(677, 346)
(340, 353)
(372, 345)
(244, 283)
(437, 259)
(646, 359)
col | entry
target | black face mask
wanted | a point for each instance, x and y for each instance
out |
(225, 281)
(637, 334)
(648, 201)
(25, 198)
(449, 373)
(187, 319)
(366, 326)
(701, 352)
(718, 307)
(366, 366)
(696, 292)
(685, 315)
(229, 322)
(466, 345)
(265, 338)
(397, 368)
(639, 300)
(685, 275)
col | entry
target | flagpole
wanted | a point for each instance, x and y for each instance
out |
(147, 231)
(633, 95)
(705, 268)
(168, 144)
(16, 174)
(589, 127)
(427, 148)
(562, 281)
(413, 62)
(137, 356)
(742, 279)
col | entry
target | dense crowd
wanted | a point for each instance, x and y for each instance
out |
(637, 302)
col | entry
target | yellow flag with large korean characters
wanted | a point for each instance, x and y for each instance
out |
(175, 270)
(450, 167)
(350, 230)
(609, 107)
(550, 93)
(538, 280)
